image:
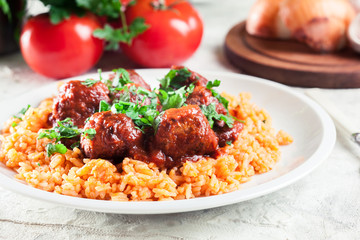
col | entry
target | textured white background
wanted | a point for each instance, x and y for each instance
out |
(323, 205)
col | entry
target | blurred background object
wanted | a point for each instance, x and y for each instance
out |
(11, 15)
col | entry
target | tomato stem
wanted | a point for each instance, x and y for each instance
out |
(123, 21)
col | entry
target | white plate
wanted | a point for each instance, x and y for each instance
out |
(309, 124)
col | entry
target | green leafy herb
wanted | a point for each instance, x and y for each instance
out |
(14, 124)
(228, 143)
(110, 8)
(175, 99)
(211, 84)
(211, 115)
(4, 6)
(121, 78)
(64, 129)
(175, 78)
(22, 112)
(104, 106)
(216, 94)
(55, 148)
(90, 133)
(142, 116)
(89, 82)
(62, 9)
(74, 145)
(125, 34)
(38, 164)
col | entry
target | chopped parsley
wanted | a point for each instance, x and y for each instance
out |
(175, 98)
(64, 130)
(104, 106)
(211, 115)
(175, 78)
(228, 143)
(89, 133)
(210, 85)
(22, 112)
(121, 78)
(55, 148)
(142, 116)
(89, 82)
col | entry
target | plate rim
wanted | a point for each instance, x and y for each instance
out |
(165, 207)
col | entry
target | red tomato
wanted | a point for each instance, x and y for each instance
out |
(174, 34)
(62, 50)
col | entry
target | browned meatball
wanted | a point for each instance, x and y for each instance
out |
(226, 134)
(115, 136)
(195, 78)
(78, 102)
(185, 132)
(203, 96)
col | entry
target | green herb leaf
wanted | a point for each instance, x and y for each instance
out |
(124, 35)
(211, 114)
(121, 78)
(110, 8)
(74, 145)
(14, 124)
(104, 106)
(136, 28)
(90, 133)
(220, 98)
(142, 116)
(89, 82)
(174, 99)
(22, 112)
(228, 143)
(62, 9)
(64, 129)
(4, 6)
(175, 78)
(211, 84)
(55, 148)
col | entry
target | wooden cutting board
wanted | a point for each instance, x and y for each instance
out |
(290, 62)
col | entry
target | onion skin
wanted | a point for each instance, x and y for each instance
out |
(321, 24)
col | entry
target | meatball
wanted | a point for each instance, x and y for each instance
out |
(195, 78)
(203, 96)
(185, 132)
(78, 102)
(226, 134)
(116, 136)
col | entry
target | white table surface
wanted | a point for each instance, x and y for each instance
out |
(323, 205)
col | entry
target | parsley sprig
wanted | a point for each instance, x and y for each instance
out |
(22, 112)
(175, 98)
(65, 129)
(216, 83)
(125, 35)
(175, 79)
(60, 10)
(5, 8)
(122, 77)
(211, 114)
